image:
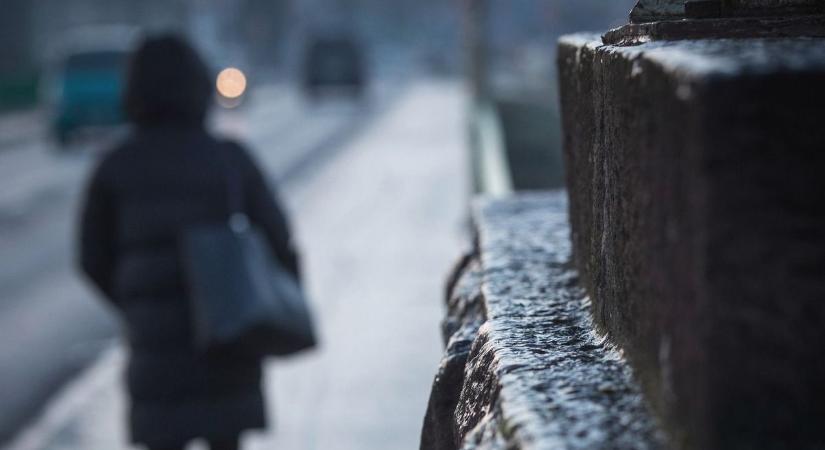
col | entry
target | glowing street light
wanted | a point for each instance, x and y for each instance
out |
(231, 83)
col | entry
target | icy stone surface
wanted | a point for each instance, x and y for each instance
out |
(649, 10)
(721, 58)
(537, 375)
(660, 10)
(459, 330)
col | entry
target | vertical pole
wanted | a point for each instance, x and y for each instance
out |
(476, 13)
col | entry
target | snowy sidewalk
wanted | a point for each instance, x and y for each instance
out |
(379, 227)
(20, 126)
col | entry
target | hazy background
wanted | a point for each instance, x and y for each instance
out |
(377, 184)
(269, 36)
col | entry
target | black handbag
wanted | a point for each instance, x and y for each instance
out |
(242, 300)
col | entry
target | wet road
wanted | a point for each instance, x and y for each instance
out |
(51, 323)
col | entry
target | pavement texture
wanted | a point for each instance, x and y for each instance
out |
(379, 225)
(19, 126)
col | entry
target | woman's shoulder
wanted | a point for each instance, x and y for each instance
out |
(109, 166)
(116, 154)
(238, 152)
(232, 146)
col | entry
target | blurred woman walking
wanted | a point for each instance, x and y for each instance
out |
(169, 175)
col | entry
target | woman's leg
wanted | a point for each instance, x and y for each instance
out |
(224, 444)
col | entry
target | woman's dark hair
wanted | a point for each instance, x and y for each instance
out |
(167, 83)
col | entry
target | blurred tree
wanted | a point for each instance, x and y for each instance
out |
(264, 26)
(15, 35)
(52, 21)
(18, 75)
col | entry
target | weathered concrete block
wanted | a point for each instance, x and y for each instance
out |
(459, 329)
(650, 10)
(754, 7)
(674, 10)
(740, 28)
(536, 376)
(698, 214)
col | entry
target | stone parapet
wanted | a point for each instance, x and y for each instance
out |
(523, 367)
(698, 215)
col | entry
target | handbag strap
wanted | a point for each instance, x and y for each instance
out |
(238, 221)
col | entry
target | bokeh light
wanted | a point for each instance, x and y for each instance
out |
(231, 83)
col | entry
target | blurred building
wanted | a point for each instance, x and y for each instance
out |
(33, 29)
(52, 21)
(35, 32)
(265, 37)
(520, 61)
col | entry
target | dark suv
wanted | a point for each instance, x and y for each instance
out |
(334, 63)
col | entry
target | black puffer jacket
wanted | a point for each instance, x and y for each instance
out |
(140, 199)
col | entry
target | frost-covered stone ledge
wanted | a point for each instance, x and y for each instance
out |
(523, 367)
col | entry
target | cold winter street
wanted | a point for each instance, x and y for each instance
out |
(412, 225)
(38, 203)
(375, 191)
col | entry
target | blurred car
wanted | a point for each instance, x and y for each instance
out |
(84, 78)
(89, 91)
(334, 63)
